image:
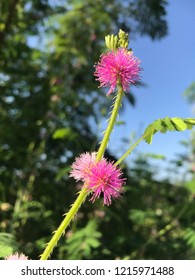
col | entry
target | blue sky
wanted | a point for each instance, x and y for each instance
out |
(168, 70)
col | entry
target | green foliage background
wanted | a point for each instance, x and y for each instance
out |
(50, 109)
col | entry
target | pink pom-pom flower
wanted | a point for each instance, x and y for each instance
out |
(16, 257)
(120, 65)
(99, 177)
(82, 166)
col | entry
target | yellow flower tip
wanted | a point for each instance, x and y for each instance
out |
(123, 39)
(111, 42)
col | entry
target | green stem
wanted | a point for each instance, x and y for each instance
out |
(129, 150)
(83, 194)
(64, 224)
(111, 123)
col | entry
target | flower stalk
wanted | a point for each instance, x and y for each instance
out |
(64, 224)
(111, 123)
(116, 69)
(128, 152)
(84, 192)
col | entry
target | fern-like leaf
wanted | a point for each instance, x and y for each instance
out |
(167, 124)
(8, 244)
(189, 237)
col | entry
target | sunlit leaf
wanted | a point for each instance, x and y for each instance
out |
(189, 237)
(8, 244)
(167, 124)
(62, 133)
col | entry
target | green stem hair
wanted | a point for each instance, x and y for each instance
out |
(64, 224)
(84, 192)
(111, 123)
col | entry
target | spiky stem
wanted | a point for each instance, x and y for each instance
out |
(64, 224)
(83, 194)
(111, 123)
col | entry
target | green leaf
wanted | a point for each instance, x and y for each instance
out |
(8, 244)
(191, 186)
(149, 132)
(189, 237)
(93, 242)
(158, 125)
(83, 241)
(167, 124)
(62, 133)
(137, 216)
(155, 156)
(190, 122)
(179, 124)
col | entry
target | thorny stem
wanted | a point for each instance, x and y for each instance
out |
(83, 193)
(64, 224)
(111, 123)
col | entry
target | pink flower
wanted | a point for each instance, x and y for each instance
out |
(82, 165)
(105, 179)
(16, 256)
(120, 65)
(101, 177)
